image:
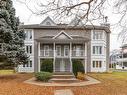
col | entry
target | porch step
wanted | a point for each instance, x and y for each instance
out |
(63, 80)
(63, 73)
(63, 76)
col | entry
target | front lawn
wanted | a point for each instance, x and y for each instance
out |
(6, 72)
(111, 84)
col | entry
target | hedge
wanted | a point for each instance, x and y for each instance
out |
(47, 65)
(77, 66)
(43, 76)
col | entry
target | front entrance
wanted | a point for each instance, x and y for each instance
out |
(62, 65)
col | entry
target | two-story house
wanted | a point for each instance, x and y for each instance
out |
(64, 42)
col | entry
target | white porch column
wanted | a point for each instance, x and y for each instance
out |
(54, 54)
(70, 57)
(38, 56)
(85, 57)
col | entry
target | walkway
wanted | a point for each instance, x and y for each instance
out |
(63, 92)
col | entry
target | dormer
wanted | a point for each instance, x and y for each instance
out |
(48, 22)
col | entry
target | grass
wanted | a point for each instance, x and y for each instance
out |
(111, 84)
(6, 72)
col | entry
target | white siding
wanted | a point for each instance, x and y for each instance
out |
(98, 57)
(31, 56)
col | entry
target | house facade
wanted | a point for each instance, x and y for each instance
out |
(64, 42)
(119, 58)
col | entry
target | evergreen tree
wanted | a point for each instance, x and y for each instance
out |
(11, 35)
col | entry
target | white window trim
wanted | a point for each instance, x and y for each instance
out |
(97, 53)
(46, 54)
(28, 31)
(66, 46)
(98, 64)
(29, 49)
(56, 50)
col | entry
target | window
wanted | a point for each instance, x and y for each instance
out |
(48, 23)
(29, 64)
(28, 34)
(97, 64)
(97, 49)
(66, 50)
(97, 35)
(29, 49)
(46, 50)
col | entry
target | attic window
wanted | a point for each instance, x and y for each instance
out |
(48, 23)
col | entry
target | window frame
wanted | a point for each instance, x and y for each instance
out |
(97, 50)
(46, 50)
(28, 34)
(28, 49)
(97, 63)
(97, 35)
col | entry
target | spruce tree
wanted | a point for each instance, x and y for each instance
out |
(11, 35)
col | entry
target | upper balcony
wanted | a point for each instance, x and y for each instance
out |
(62, 54)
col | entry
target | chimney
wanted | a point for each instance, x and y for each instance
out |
(105, 22)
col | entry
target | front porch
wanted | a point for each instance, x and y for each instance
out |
(62, 48)
(62, 54)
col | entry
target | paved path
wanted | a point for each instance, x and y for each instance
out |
(89, 81)
(63, 92)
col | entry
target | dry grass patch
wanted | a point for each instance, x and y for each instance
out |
(111, 84)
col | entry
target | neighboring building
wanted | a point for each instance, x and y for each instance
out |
(121, 60)
(114, 56)
(65, 42)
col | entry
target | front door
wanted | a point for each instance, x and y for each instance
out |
(62, 65)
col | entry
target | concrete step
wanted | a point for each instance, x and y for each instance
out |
(63, 73)
(63, 76)
(70, 80)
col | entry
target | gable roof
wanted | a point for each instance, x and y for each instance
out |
(48, 22)
(62, 32)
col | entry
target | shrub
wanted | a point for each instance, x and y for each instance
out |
(77, 66)
(80, 76)
(47, 65)
(43, 76)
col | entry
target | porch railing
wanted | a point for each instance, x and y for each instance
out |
(50, 53)
(78, 53)
(46, 53)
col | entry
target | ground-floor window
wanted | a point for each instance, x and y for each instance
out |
(97, 64)
(29, 64)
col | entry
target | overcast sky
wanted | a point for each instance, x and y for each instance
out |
(28, 18)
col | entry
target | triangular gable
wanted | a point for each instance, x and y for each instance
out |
(75, 22)
(62, 35)
(48, 22)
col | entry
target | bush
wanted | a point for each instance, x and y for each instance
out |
(77, 67)
(80, 76)
(43, 76)
(47, 65)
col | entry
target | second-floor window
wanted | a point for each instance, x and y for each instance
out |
(29, 49)
(97, 35)
(97, 49)
(28, 35)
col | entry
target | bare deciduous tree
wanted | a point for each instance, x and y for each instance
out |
(86, 10)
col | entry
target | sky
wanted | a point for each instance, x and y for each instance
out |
(27, 17)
